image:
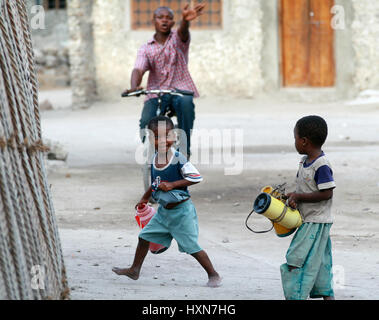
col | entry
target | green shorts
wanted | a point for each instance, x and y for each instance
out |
(311, 253)
(179, 223)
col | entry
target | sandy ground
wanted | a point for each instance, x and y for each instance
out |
(94, 194)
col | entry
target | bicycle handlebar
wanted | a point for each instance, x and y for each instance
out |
(159, 92)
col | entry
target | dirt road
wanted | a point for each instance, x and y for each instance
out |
(94, 194)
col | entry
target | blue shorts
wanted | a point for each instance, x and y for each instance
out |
(179, 223)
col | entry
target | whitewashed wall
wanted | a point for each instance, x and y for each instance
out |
(365, 29)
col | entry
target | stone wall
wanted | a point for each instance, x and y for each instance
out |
(53, 67)
(366, 43)
(53, 31)
(50, 42)
(225, 61)
(82, 66)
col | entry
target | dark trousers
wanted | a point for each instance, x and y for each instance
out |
(184, 109)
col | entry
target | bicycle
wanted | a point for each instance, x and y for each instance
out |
(169, 112)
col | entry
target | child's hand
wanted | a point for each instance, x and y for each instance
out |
(292, 200)
(141, 202)
(166, 186)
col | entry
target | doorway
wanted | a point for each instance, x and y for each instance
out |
(307, 43)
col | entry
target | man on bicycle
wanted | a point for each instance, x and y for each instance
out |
(165, 56)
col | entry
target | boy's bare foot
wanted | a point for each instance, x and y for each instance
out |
(214, 281)
(126, 272)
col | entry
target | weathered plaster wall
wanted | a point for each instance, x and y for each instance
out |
(366, 43)
(229, 61)
(226, 61)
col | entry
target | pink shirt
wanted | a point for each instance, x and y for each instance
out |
(168, 64)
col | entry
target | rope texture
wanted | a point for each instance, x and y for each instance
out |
(29, 238)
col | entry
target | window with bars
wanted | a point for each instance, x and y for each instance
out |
(53, 4)
(142, 13)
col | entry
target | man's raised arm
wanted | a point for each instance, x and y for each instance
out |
(189, 14)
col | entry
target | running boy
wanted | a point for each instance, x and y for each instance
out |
(308, 271)
(171, 175)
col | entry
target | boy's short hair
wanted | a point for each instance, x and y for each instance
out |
(314, 128)
(153, 123)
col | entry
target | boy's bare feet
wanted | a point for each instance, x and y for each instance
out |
(126, 272)
(214, 281)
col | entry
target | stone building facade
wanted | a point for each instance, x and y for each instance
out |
(242, 58)
(222, 62)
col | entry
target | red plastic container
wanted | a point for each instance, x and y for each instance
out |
(144, 214)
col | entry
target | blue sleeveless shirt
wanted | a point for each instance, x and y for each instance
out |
(178, 168)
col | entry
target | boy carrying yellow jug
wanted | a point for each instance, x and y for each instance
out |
(308, 271)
